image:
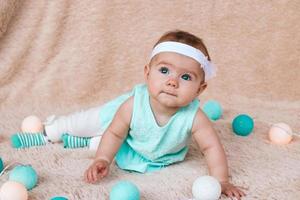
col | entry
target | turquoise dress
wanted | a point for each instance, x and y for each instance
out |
(148, 146)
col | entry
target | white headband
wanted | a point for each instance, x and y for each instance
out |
(177, 47)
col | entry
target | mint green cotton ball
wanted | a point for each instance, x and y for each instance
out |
(58, 198)
(25, 175)
(124, 190)
(1, 165)
(242, 125)
(212, 109)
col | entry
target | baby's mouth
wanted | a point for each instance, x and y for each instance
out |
(169, 93)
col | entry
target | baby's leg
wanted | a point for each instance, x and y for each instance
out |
(75, 130)
(88, 123)
(82, 124)
(94, 143)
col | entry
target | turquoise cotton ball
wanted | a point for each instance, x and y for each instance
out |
(1, 165)
(25, 175)
(124, 190)
(213, 110)
(242, 125)
(58, 198)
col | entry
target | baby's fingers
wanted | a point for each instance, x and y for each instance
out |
(241, 193)
(87, 175)
(228, 193)
(96, 173)
(234, 193)
(238, 193)
(90, 175)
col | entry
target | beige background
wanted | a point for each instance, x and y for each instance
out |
(60, 56)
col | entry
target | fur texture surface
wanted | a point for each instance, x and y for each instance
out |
(57, 57)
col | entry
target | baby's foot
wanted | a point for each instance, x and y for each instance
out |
(71, 141)
(25, 140)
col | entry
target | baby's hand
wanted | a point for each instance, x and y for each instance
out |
(97, 170)
(232, 191)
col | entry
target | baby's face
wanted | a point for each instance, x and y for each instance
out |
(174, 80)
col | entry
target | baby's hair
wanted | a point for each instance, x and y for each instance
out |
(186, 38)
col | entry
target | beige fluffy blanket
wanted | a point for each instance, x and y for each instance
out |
(58, 56)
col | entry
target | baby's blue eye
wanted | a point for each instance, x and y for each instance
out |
(164, 70)
(186, 77)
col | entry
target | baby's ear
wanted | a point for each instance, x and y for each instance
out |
(202, 87)
(146, 71)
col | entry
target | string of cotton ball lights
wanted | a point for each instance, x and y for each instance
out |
(23, 177)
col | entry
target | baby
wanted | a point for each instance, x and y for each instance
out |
(150, 127)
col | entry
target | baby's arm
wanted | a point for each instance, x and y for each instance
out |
(210, 145)
(110, 143)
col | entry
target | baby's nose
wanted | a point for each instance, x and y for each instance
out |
(172, 82)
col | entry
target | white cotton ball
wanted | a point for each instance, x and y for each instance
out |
(280, 133)
(32, 124)
(206, 188)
